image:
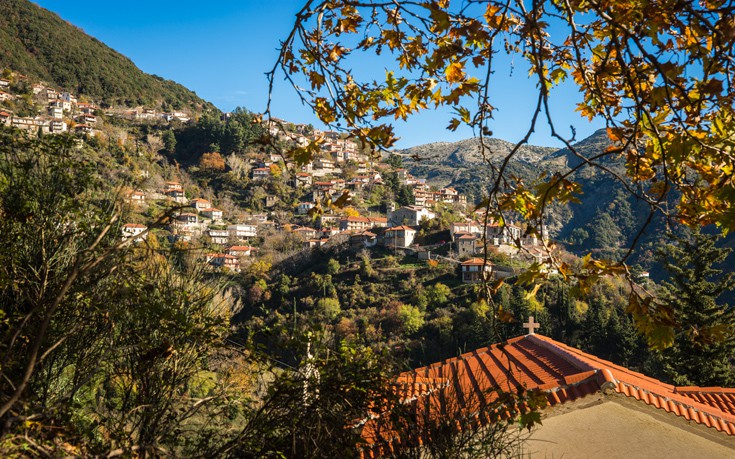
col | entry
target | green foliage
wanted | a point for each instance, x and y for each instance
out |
(210, 133)
(333, 266)
(169, 142)
(438, 294)
(109, 344)
(329, 308)
(411, 317)
(703, 351)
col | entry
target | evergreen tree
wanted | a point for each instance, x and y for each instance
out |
(704, 349)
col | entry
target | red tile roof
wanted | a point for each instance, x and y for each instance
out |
(475, 262)
(563, 373)
(241, 248)
(401, 228)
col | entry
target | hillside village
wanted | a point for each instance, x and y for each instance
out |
(340, 171)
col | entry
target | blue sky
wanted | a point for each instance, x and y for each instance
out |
(221, 49)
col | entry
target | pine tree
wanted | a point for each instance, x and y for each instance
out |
(704, 348)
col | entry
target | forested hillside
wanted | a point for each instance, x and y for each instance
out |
(42, 46)
(605, 221)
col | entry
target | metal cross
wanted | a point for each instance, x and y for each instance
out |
(531, 325)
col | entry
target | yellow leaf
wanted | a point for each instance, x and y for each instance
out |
(455, 72)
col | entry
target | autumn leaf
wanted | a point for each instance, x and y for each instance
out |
(455, 72)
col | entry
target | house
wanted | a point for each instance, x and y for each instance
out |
(83, 129)
(468, 245)
(176, 195)
(181, 116)
(62, 104)
(241, 251)
(261, 173)
(466, 227)
(5, 96)
(242, 230)
(186, 218)
(260, 218)
(328, 220)
(329, 231)
(86, 119)
(502, 234)
(175, 191)
(590, 407)
(354, 223)
(68, 97)
(305, 232)
(475, 270)
(314, 242)
(6, 118)
(409, 215)
(358, 182)
(200, 204)
(173, 186)
(363, 239)
(56, 112)
(134, 230)
(304, 207)
(325, 165)
(212, 214)
(303, 179)
(57, 127)
(223, 261)
(450, 195)
(29, 124)
(378, 222)
(218, 236)
(399, 236)
(87, 108)
(4, 83)
(422, 198)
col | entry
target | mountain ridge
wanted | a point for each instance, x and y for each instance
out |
(44, 47)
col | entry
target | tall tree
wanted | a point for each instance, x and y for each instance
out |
(704, 349)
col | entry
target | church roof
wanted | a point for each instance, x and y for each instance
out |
(563, 373)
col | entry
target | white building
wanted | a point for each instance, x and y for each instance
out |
(409, 215)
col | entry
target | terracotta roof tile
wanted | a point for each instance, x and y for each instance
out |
(535, 362)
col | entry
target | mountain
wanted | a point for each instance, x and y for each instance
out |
(607, 219)
(42, 46)
(461, 163)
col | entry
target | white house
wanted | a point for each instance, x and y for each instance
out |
(187, 218)
(399, 236)
(304, 207)
(57, 126)
(56, 112)
(409, 215)
(134, 230)
(212, 213)
(220, 237)
(241, 251)
(200, 204)
(242, 230)
(261, 173)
